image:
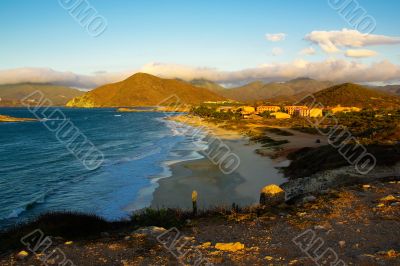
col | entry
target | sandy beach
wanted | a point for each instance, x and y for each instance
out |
(243, 186)
(213, 186)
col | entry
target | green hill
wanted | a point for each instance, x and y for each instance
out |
(143, 90)
(349, 94)
(11, 95)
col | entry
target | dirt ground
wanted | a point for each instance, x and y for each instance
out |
(355, 225)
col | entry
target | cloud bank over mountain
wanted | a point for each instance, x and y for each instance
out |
(338, 70)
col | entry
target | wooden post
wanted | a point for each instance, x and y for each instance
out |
(194, 201)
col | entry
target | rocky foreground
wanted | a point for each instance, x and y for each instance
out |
(356, 225)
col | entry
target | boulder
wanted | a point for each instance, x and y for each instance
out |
(22, 255)
(309, 199)
(231, 247)
(272, 195)
(389, 198)
(150, 231)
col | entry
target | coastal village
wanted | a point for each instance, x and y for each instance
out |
(284, 112)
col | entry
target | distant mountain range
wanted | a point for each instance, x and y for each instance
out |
(147, 90)
(209, 85)
(395, 89)
(11, 95)
(143, 90)
(258, 91)
(349, 94)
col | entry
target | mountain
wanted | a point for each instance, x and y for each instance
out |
(209, 85)
(258, 90)
(11, 95)
(349, 94)
(395, 89)
(143, 90)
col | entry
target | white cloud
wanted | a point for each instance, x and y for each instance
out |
(275, 37)
(333, 41)
(277, 51)
(308, 51)
(47, 75)
(338, 70)
(360, 53)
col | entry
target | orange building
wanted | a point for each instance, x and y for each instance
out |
(265, 108)
(297, 110)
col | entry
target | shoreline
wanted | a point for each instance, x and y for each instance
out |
(215, 188)
(10, 119)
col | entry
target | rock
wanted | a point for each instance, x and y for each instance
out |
(342, 244)
(272, 195)
(324, 192)
(309, 199)
(366, 258)
(231, 247)
(205, 245)
(104, 234)
(389, 198)
(41, 256)
(22, 255)
(150, 231)
(127, 238)
(319, 227)
(189, 238)
(392, 253)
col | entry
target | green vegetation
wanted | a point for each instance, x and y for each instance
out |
(266, 141)
(78, 226)
(69, 225)
(369, 126)
(166, 218)
(349, 94)
(211, 112)
(308, 161)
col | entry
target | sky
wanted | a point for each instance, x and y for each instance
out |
(226, 41)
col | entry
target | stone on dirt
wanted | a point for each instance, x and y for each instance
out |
(231, 247)
(272, 195)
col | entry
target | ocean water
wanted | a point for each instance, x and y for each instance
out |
(38, 174)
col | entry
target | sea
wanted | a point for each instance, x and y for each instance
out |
(39, 174)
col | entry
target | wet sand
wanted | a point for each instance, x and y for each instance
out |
(215, 188)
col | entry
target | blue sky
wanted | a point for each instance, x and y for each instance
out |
(228, 35)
